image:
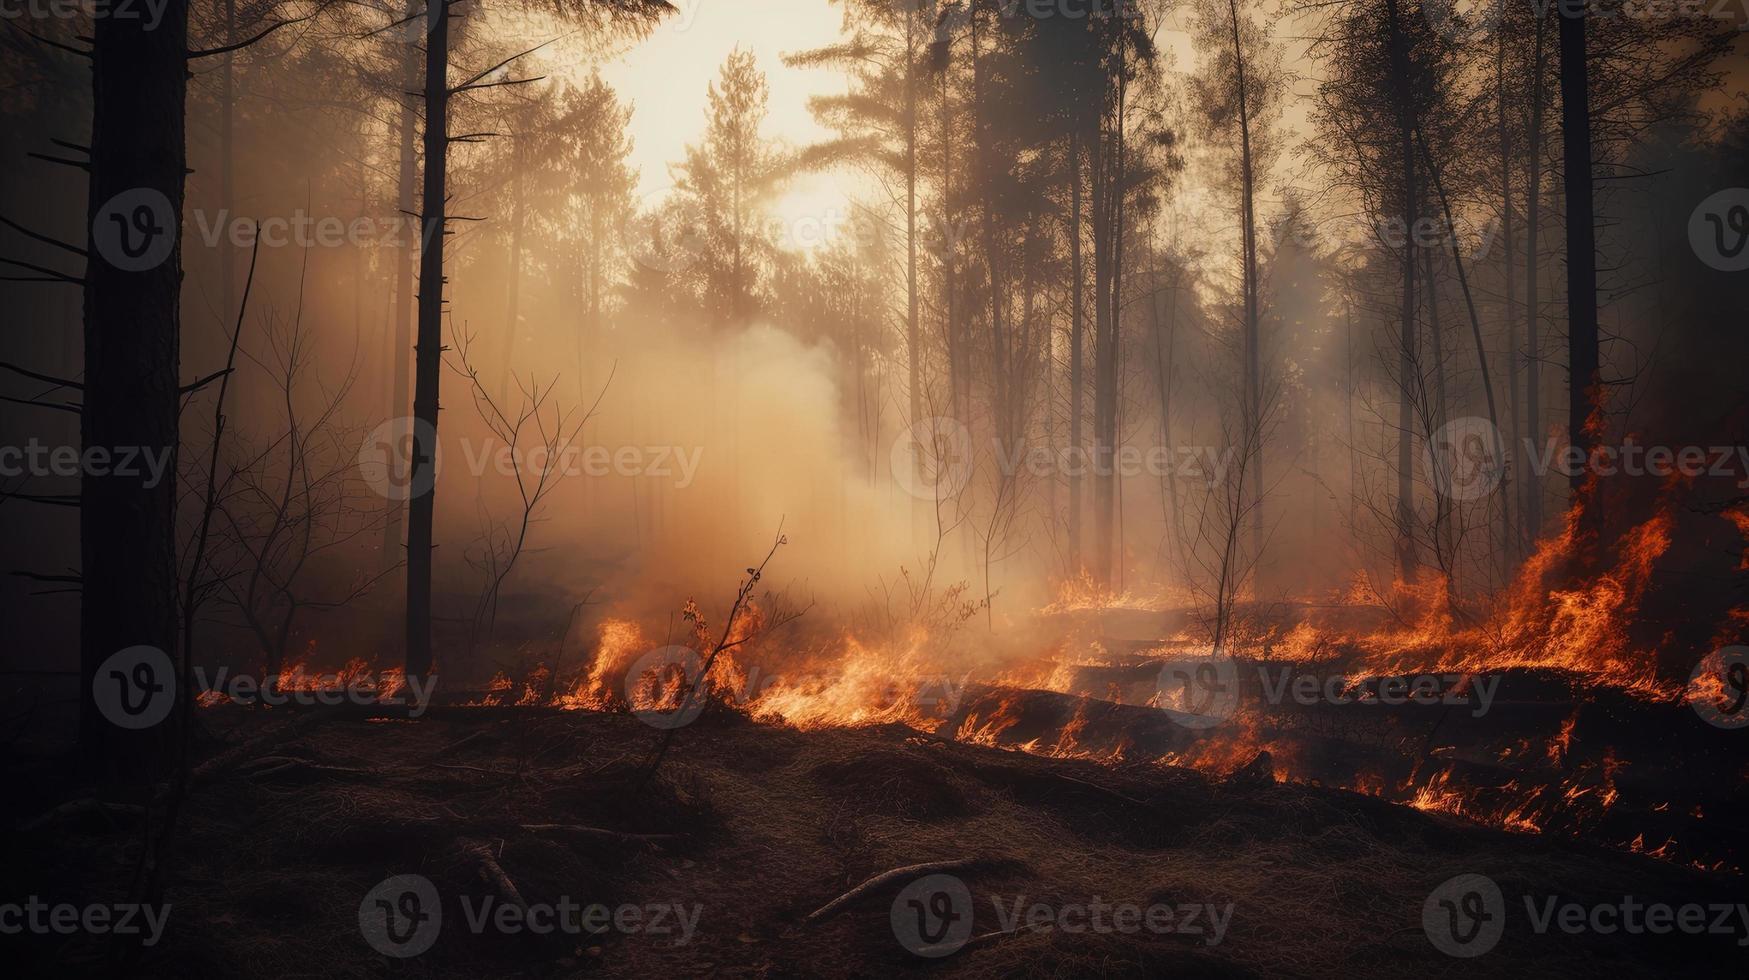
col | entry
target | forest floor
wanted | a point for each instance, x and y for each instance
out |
(714, 867)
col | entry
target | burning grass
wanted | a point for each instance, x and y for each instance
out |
(1581, 744)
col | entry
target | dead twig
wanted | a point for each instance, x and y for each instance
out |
(886, 878)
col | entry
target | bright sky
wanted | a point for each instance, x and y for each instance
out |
(666, 75)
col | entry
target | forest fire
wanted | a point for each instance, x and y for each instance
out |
(865, 488)
(1535, 782)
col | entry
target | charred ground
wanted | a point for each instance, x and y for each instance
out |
(296, 816)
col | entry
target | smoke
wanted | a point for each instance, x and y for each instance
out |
(705, 446)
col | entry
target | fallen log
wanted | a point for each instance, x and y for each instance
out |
(491, 872)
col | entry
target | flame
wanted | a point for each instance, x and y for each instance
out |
(865, 686)
(1543, 620)
(296, 677)
(987, 729)
(1583, 630)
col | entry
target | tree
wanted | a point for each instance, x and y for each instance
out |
(1582, 350)
(133, 319)
(280, 518)
(1238, 95)
(727, 180)
(596, 149)
(1385, 70)
(878, 125)
(604, 16)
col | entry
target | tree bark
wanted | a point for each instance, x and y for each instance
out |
(428, 354)
(401, 352)
(132, 333)
(1533, 495)
(1511, 533)
(1252, 414)
(227, 160)
(1077, 341)
(913, 344)
(1408, 562)
(1582, 345)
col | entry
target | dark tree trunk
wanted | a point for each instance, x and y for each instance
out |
(913, 343)
(1533, 492)
(1099, 182)
(1408, 562)
(1582, 353)
(1110, 548)
(127, 530)
(1252, 415)
(956, 380)
(429, 350)
(227, 161)
(1077, 341)
(401, 351)
(1511, 517)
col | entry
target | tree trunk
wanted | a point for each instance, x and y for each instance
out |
(956, 380)
(1511, 533)
(428, 359)
(127, 529)
(1109, 544)
(913, 344)
(1099, 182)
(227, 161)
(512, 313)
(1000, 409)
(1252, 414)
(1582, 352)
(1443, 539)
(403, 332)
(1077, 341)
(1408, 563)
(1533, 494)
(1497, 450)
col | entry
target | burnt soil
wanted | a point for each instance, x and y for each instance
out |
(759, 825)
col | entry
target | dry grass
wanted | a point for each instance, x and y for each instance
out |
(775, 823)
